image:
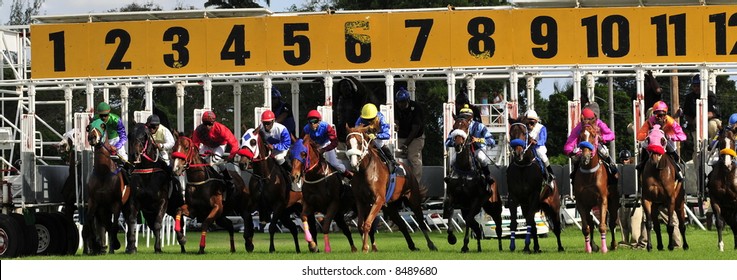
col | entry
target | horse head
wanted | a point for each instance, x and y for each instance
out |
(460, 133)
(357, 141)
(184, 153)
(96, 133)
(519, 133)
(588, 142)
(253, 146)
(725, 144)
(305, 155)
(142, 144)
(656, 143)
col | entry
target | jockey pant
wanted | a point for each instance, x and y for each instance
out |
(214, 155)
(414, 154)
(378, 143)
(165, 156)
(332, 158)
(542, 153)
(279, 156)
(121, 151)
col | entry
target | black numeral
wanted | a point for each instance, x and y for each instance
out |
(661, 33)
(481, 44)
(549, 40)
(116, 62)
(425, 26)
(180, 47)
(357, 46)
(59, 54)
(236, 41)
(301, 41)
(607, 36)
(720, 32)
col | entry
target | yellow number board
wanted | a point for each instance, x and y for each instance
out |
(383, 40)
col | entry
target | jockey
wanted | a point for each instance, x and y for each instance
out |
(481, 138)
(115, 130)
(732, 121)
(539, 135)
(161, 135)
(277, 139)
(211, 137)
(378, 132)
(588, 117)
(324, 135)
(673, 132)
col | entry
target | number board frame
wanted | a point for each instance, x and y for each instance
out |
(240, 42)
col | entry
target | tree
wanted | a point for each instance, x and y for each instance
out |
(135, 7)
(21, 11)
(232, 4)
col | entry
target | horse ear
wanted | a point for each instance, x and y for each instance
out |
(175, 133)
(102, 125)
(347, 127)
(87, 128)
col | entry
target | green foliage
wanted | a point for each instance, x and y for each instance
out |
(21, 11)
(232, 4)
(135, 7)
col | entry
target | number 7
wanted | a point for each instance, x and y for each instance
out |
(425, 26)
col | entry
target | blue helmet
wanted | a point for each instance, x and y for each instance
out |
(275, 93)
(696, 80)
(733, 119)
(402, 95)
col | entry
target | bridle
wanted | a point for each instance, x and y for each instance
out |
(519, 142)
(353, 151)
(189, 159)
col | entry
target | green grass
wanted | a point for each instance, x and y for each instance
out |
(393, 247)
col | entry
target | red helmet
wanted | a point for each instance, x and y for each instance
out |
(208, 116)
(314, 114)
(267, 116)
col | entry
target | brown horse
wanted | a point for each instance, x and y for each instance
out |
(592, 191)
(203, 192)
(107, 193)
(525, 181)
(270, 190)
(370, 185)
(322, 191)
(660, 188)
(722, 187)
(467, 189)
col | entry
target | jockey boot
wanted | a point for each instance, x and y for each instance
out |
(487, 175)
(390, 161)
(676, 160)
(346, 177)
(551, 176)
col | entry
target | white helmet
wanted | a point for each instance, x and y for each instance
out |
(531, 114)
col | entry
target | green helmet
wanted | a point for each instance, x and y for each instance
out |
(102, 108)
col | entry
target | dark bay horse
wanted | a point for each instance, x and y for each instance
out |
(270, 191)
(322, 191)
(660, 188)
(525, 181)
(592, 191)
(203, 193)
(107, 194)
(150, 185)
(371, 182)
(723, 189)
(467, 188)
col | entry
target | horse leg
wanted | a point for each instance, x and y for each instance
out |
(414, 204)
(532, 231)
(495, 211)
(670, 225)
(273, 226)
(216, 202)
(474, 225)
(157, 225)
(248, 230)
(512, 226)
(393, 214)
(113, 228)
(326, 222)
(466, 239)
(373, 211)
(585, 229)
(448, 214)
(612, 210)
(289, 224)
(307, 210)
(179, 225)
(647, 208)
(130, 219)
(603, 207)
(716, 209)
(682, 225)
(340, 221)
(227, 224)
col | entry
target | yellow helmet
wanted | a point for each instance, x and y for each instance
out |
(466, 111)
(369, 111)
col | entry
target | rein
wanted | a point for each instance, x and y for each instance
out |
(355, 152)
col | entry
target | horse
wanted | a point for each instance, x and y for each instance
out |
(591, 190)
(660, 188)
(107, 193)
(371, 182)
(322, 191)
(203, 192)
(723, 189)
(525, 181)
(150, 185)
(269, 187)
(466, 189)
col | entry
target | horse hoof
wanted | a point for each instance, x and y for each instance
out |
(354, 249)
(433, 248)
(158, 251)
(249, 248)
(464, 250)
(201, 252)
(131, 251)
(452, 239)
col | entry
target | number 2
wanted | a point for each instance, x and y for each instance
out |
(116, 62)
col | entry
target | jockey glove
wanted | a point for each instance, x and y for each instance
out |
(372, 136)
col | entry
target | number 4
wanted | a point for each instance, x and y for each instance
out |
(236, 41)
